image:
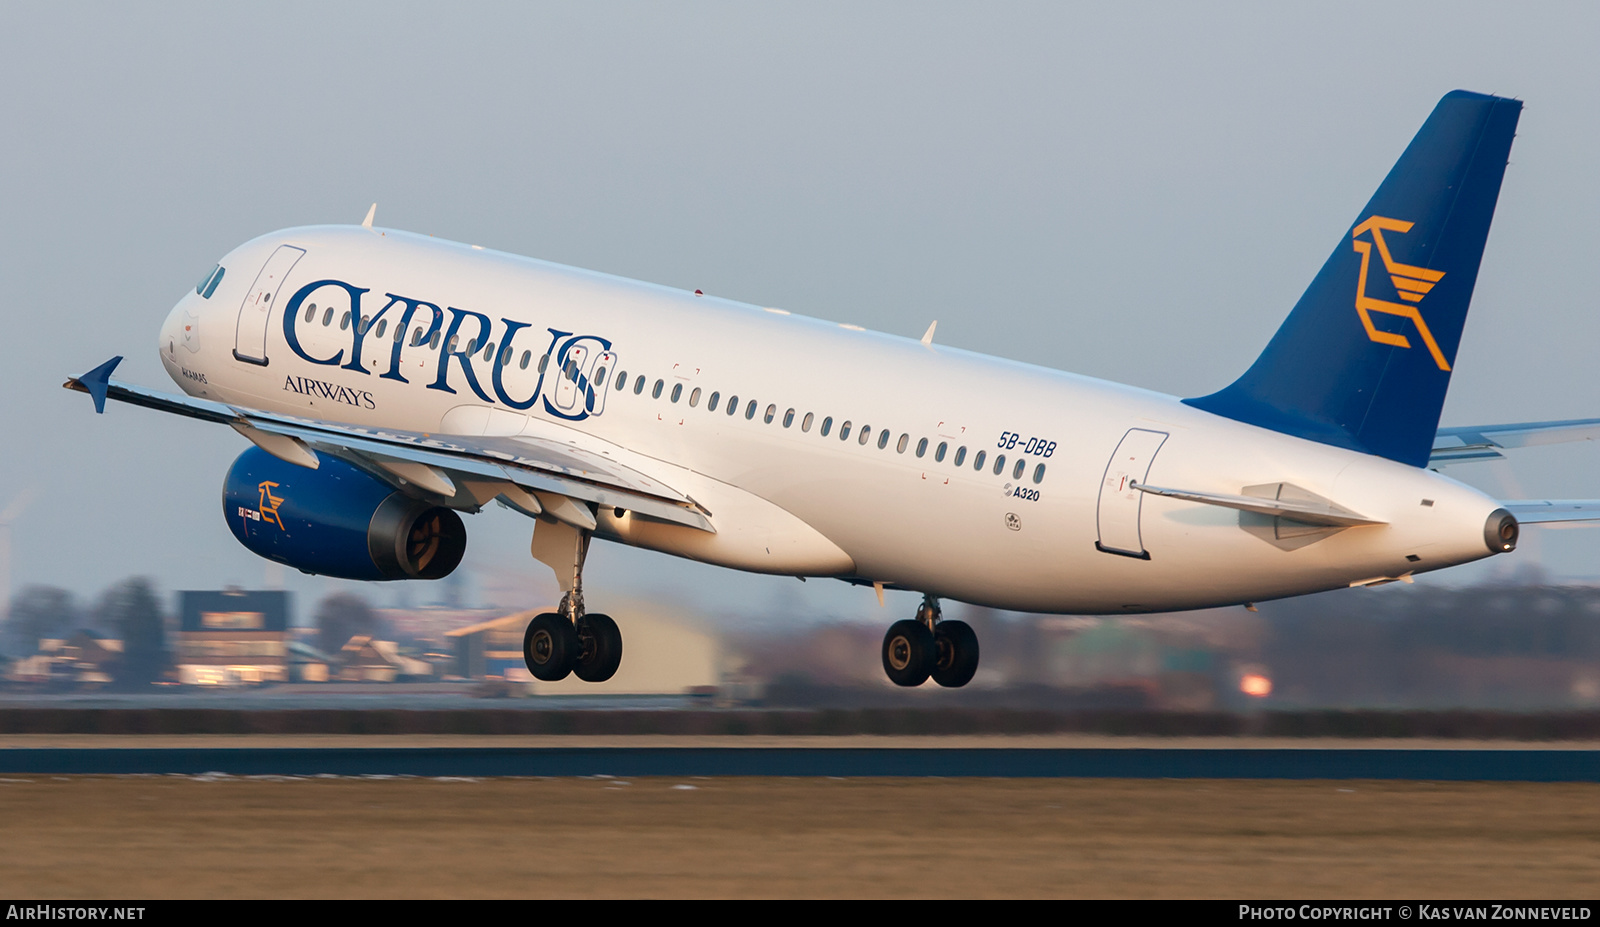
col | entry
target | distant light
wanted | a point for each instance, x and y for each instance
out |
(1255, 685)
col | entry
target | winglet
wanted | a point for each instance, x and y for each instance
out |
(927, 336)
(372, 211)
(96, 382)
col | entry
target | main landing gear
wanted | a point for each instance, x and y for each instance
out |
(569, 640)
(927, 645)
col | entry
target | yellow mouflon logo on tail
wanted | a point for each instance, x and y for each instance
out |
(1410, 283)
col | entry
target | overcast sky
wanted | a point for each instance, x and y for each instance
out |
(1132, 191)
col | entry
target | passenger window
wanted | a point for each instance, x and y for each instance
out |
(327, 317)
(844, 431)
(455, 340)
(999, 464)
(711, 404)
(472, 345)
(677, 391)
(961, 455)
(750, 410)
(922, 447)
(382, 324)
(733, 404)
(1016, 472)
(526, 356)
(827, 423)
(433, 343)
(544, 361)
(488, 351)
(977, 460)
(416, 337)
(361, 327)
(344, 321)
(805, 423)
(788, 418)
(694, 398)
(638, 385)
(866, 433)
(771, 412)
(622, 380)
(1038, 474)
(655, 391)
(900, 446)
(883, 439)
(938, 454)
(311, 312)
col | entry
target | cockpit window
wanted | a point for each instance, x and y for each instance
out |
(208, 284)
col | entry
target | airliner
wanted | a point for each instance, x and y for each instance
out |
(389, 382)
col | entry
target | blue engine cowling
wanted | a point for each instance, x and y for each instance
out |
(338, 520)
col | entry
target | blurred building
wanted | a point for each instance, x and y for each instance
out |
(307, 663)
(491, 649)
(366, 660)
(232, 637)
(82, 659)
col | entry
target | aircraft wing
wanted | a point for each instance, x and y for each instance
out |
(1553, 511)
(1485, 442)
(530, 474)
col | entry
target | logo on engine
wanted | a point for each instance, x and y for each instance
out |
(270, 503)
(1410, 284)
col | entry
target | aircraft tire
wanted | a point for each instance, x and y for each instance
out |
(955, 653)
(908, 653)
(550, 647)
(599, 648)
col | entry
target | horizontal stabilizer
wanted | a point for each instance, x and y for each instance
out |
(1485, 442)
(1310, 511)
(1553, 511)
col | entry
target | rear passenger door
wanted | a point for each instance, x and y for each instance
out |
(1117, 515)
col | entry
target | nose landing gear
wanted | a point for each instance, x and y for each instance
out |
(917, 648)
(569, 640)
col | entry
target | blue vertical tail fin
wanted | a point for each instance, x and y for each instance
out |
(1364, 358)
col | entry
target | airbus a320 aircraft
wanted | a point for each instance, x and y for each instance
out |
(390, 381)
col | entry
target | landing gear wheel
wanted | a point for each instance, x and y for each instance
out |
(550, 647)
(599, 648)
(956, 653)
(908, 653)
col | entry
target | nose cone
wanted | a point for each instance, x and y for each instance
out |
(181, 331)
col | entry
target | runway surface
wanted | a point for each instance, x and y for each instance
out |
(1489, 764)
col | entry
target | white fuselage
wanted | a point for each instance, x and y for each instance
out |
(783, 497)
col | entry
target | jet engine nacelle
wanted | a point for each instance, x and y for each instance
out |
(338, 520)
